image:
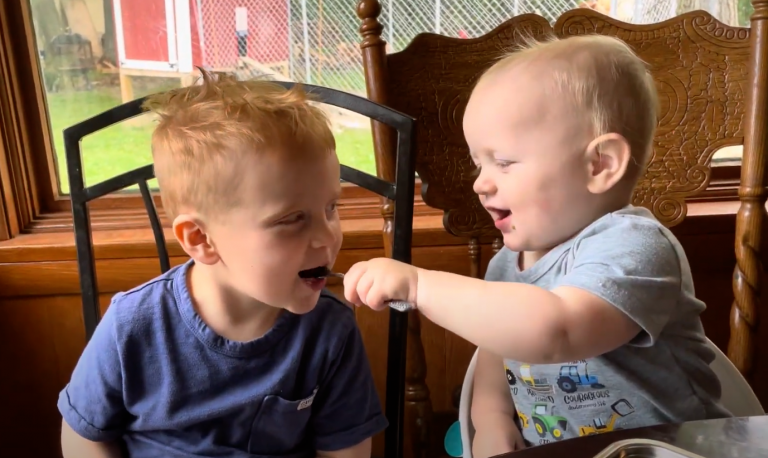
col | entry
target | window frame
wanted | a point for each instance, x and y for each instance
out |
(29, 198)
(30, 201)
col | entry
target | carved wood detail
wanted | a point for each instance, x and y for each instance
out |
(431, 80)
(700, 66)
(498, 242)
(474, 257)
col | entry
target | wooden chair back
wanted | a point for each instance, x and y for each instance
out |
(711, 96)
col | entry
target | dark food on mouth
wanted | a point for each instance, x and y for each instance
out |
(316, 272)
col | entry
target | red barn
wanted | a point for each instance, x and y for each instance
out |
(174, 36)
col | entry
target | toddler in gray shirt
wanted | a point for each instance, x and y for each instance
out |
(587, 320)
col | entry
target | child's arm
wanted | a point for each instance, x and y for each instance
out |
(493, 411)
(92, 407)
(361, 450)
(515, 320)
(524, 322)
(75, 446)
(346, 412)
(614, 293)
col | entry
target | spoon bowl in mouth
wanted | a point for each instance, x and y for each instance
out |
(316, 272)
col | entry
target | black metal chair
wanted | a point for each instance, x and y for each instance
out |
(401, 192)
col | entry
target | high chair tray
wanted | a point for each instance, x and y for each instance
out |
(644, 448)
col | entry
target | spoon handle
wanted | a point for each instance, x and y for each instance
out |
(400, 306)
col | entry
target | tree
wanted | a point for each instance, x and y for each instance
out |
(47, 21)
(79, 20)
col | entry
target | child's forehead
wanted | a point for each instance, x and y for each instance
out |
(515, 99)
(292, 173)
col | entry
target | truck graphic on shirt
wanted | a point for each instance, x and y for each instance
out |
(540, 385)
(620, 408)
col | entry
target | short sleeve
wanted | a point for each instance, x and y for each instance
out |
(347, 409)
(92, 402)
(634, 266)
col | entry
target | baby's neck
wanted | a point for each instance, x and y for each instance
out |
(527, 259)
(228, 314)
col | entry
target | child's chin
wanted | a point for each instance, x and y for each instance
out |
(512, 242)
(304, 305)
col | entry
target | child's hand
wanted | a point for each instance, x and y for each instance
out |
(377, 281)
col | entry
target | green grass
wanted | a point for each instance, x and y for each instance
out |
(126, 146)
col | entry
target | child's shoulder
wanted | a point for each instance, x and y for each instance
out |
(159, 287)
(147, 306)
(638, 220)
(631, 230)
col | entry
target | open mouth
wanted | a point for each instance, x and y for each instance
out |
(314, 273)
(315, 277)
(501, 218)
(498, 214)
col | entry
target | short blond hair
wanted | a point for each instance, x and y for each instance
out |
(604, 77)
(204, 131)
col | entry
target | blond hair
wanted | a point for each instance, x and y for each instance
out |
(205, 130)
(604, 77)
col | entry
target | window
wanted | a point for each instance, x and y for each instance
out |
(96, 54)
(72, 59)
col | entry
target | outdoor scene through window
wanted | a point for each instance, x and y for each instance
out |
(96, 54)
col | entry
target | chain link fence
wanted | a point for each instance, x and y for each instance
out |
(317, 41)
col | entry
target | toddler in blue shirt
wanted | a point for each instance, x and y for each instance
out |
(232, 353)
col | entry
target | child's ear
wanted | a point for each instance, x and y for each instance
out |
(608, 158)
(193, 238)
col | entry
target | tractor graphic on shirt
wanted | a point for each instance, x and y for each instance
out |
(546, 422)
(573, 376)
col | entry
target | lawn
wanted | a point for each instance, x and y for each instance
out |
(124, 147)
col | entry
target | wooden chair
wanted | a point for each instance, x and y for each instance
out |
(713, 93)
(399, 188)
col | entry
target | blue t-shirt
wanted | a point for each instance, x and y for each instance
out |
(157, 377)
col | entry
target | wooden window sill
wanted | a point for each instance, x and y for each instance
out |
(359, 233)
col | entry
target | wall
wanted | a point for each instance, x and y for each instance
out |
(41, 331)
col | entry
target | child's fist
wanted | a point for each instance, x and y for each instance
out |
(379, 280)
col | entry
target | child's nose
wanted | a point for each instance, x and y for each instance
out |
(483, 184)
(324, 235)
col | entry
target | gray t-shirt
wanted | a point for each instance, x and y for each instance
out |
(662, 376)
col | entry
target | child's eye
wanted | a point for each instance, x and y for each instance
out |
(504, 164)
(332, 208)
(293, 219)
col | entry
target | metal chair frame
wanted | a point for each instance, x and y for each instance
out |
(401, 192)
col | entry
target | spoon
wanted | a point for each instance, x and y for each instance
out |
(322, 272)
